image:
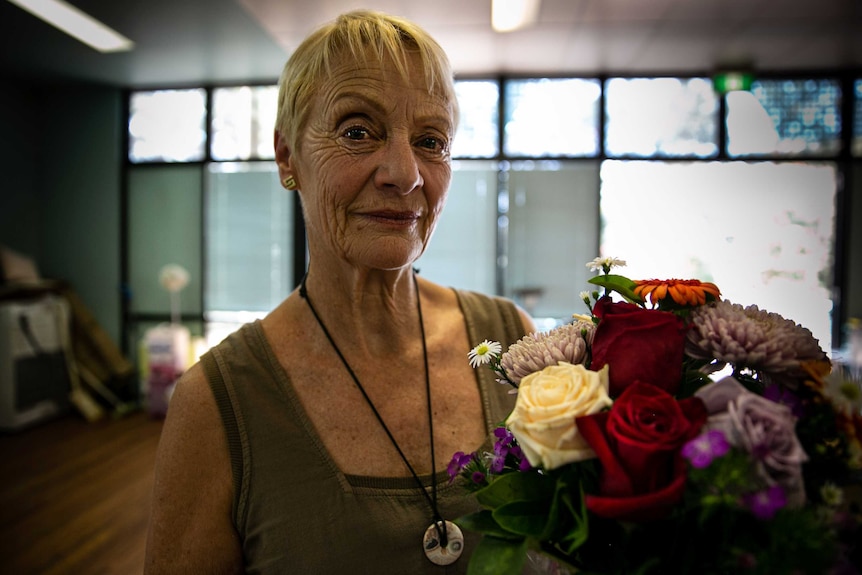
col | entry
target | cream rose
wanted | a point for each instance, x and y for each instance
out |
(548, 402)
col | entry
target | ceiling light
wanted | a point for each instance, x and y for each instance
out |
(77, 24)
(508, 15)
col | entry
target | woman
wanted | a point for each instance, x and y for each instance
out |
(302, 443)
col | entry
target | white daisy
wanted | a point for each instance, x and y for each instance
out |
(484, 353)
(844, 391)
(605, 264)
(832, 495)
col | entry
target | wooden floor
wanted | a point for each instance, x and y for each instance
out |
(74, 496)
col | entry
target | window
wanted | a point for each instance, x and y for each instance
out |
(552, 117)
(243, 120)
(477, 129)
(767, 241)
(785, 117)
(167, 126)
(462, 252)
(249, 242)
(537, 191)
(660, 117)
(164, 228)
(857, 119)
(553, 229)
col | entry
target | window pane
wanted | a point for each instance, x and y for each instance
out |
(553, 219)
(477, 129)
(243, 119)
(661, 117)
(767, 242)
(164, 228)
(857, 122)
(852, 293)
(167, 126)
(785, 117)
(547, 117)
(462, 251)
(249, 240)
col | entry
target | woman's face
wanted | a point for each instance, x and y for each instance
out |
(373, 165)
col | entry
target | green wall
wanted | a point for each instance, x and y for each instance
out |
(60, 159)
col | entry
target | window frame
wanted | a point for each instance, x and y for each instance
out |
(845, 159)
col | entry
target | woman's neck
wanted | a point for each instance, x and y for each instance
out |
(376, 311)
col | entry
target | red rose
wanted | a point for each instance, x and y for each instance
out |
(638, 344)
(638, 443)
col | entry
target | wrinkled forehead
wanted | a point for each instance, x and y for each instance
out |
(405, 68)
(383, 71)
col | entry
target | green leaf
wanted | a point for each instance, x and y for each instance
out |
(620, 284)
(580, 530)
(483, 522)
(495, 556)
(526, 486)
(528, 518)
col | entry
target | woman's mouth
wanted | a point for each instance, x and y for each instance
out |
(393, 217)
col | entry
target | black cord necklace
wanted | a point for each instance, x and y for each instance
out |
(443, 541)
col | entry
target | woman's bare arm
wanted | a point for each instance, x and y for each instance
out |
(190, 527)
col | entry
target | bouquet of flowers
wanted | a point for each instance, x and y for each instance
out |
(628, 451)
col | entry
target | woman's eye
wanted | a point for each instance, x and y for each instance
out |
(432, 143)
(356, 133)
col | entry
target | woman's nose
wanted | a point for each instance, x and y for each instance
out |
(399, 168)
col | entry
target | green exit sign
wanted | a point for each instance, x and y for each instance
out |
(725, 82)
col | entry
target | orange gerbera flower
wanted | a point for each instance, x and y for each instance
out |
(683, 292)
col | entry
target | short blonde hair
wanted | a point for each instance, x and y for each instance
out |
(359, 34)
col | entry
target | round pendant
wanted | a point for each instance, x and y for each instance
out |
(438, 554)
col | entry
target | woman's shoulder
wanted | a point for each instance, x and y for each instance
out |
(484, 313)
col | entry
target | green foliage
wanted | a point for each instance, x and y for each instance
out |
(620, 284)
(531, 510)
(483, 522)
(511, 487)
(494, 556)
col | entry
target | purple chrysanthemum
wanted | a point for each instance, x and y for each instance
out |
(748, 337)
(537, 351)
(701, 450)
(765, 504)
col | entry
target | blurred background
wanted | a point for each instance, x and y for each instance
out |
(713, 139)
(710, 139)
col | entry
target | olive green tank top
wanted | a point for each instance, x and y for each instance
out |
(294, 510)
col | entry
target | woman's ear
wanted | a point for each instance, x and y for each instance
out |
(284, 161)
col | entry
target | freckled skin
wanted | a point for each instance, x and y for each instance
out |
(373, 166)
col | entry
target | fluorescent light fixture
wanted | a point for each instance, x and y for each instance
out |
(508, 15)
(76, 24)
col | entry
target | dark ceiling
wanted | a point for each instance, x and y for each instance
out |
(210, 42)
(176, 42)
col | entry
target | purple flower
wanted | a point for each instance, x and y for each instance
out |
(459, 461)
(764, 504)
(750, 337)
(780, 394)
(506, 446)
(701, 450)
(502, 448)
(498, 461)
(478, 477)
(762, 428)
(537, 351)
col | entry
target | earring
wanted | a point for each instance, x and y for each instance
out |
(289, 182)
